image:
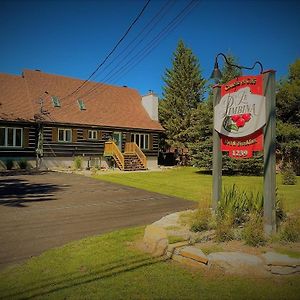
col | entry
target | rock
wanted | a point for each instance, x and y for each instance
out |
(188, 261)
(169, 220)
(193, 253)
(237, 262)
(174, 248)
(276, 259)
(155, 240)
(280, 270)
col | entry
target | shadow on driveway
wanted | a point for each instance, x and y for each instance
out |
(17, 192)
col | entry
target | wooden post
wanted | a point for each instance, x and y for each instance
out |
(269, 154)
(217, 156)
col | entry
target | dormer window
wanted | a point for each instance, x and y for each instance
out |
(81, 104)
(55, 101)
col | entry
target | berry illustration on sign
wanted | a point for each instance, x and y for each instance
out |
(240, 116)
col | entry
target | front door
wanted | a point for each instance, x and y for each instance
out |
(117, 138)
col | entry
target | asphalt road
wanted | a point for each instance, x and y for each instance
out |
(42, 211)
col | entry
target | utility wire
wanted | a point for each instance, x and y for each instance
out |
(134, 43)
(142, 54)
(112, 51)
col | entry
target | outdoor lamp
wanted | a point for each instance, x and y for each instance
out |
(217, 75)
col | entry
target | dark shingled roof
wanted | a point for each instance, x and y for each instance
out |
(107, 105)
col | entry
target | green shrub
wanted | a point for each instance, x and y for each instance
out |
(78, 162)
(289, 176)
(23, 164)
(9, 164)
(290, 230)
(253, 232)
(239, 204)
(201, 218)
(224, 229)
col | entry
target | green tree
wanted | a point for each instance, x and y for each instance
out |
(288, 119)
(183, 91)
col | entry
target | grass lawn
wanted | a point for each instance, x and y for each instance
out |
(109, 267)
(189, 183)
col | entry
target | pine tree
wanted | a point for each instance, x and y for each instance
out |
(288, 118)
(183, 91)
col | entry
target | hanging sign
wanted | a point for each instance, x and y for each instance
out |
(240, 116)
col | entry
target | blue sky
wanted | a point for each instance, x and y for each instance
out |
(72, 37)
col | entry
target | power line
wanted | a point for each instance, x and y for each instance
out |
(142, 54)
(112, 51)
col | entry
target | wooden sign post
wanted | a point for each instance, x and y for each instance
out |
(244, 122)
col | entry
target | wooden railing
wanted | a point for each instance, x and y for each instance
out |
(134, 148)
(111, 149)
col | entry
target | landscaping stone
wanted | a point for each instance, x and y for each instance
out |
(188, 261)
(156, 239)
(284, 270)
(276, 259)
(193, 253)
(237, 262)
(174, 248)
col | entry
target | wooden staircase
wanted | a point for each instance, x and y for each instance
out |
(133, 159)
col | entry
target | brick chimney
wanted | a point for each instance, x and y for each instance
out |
(150, 103)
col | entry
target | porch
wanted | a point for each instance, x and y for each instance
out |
(133, 158)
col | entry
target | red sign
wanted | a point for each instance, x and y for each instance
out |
(241, 116)
(243, 147)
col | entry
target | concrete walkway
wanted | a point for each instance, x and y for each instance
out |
(42, 211)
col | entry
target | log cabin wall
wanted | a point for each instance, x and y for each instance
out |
(81, 145)
(28, 143)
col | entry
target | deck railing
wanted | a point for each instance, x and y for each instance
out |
(111, 149)
(134, 148)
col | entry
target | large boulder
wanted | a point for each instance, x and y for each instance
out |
(156, 240)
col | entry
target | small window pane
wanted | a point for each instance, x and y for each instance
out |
(2, 136)
(55, 101)
(60, 135)
(132, 138)
(68, 135)
(10, 136)
(18, 137)
(147, 141)
(142, 142)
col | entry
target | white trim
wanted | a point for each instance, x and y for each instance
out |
(93, 132)
(64, 140)
(137, 138)
(14, 137)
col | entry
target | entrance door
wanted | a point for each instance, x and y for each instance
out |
(117, 138)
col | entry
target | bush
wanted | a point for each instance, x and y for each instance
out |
(290, 230)
(9, 164)
(289, 176)
(23, 164)
(239, 204)
(224, 230)
(253, 232)
(202, 217)
(78, 162)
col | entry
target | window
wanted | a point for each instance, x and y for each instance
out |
(81, 104)
(11, 137)
(65, 135)
(55, 101)
(92, 134)
(142, 140)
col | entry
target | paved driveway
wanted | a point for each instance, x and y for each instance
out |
(38, 212)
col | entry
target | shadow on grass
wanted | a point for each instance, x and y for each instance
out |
(17, 192)
(71, 280)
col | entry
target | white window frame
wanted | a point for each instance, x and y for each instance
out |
(137, 138)
(92, 134)
(14, 137)
(64, 140)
